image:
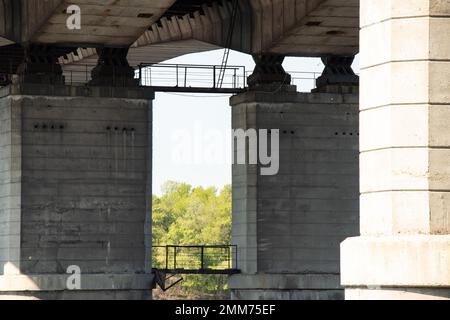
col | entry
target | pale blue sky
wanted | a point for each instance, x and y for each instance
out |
(191, 114)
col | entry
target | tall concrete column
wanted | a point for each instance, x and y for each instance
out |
(75, 192)
(288, 226)
(404, 248)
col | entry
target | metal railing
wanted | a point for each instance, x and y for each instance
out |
(180, 77)
(78, 74)
(305, 81)
(217, 259)
(169, 77)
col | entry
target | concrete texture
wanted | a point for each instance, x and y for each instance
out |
(393, 293)
(93, 287)
(284, 225)
(303, 294)
(396, 261)
(81, 295)
(105, 23)
(76, 190)
(14, 22)
(288, 227)
(404, 248)
(285, 27)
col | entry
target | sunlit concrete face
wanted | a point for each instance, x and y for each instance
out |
(75, 186)
(405, 158)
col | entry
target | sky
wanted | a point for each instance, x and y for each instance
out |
(191, 132)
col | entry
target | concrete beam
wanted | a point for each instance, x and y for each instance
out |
(20, 19)
(104, 23)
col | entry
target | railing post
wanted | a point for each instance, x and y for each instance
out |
(175, 258)
(214, 76)
(236, 257)
(140, 74)
(150, 76)
(167, 257)
(177, 74)
(202, 253)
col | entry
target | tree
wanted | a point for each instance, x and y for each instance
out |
(188, 216)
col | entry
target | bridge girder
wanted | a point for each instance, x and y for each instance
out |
(285, 27)
(169, 28)
(104, 23)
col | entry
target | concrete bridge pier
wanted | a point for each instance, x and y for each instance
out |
(403, 251)
(75, 192)
(288, 226)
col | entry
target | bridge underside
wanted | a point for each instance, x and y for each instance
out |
(75, 182)
(294, 27)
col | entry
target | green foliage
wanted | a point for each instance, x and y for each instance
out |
(185, 216)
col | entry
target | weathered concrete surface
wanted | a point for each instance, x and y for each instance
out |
(288, 227)
(289, 27)
(20, 19)
(404, 248)
(112, 23)
(75, 190)
(93, 286)
(286, 27)
(286, 287)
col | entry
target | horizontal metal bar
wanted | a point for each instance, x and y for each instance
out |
(197, 246)
(200, 271)
(193, 66)
(197, 89)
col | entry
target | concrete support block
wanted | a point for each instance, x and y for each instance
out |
(286, 287)
(407, 266)
(288, 226)
(75, 190)
(404, 246)
(405, 293)
(93, 286)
